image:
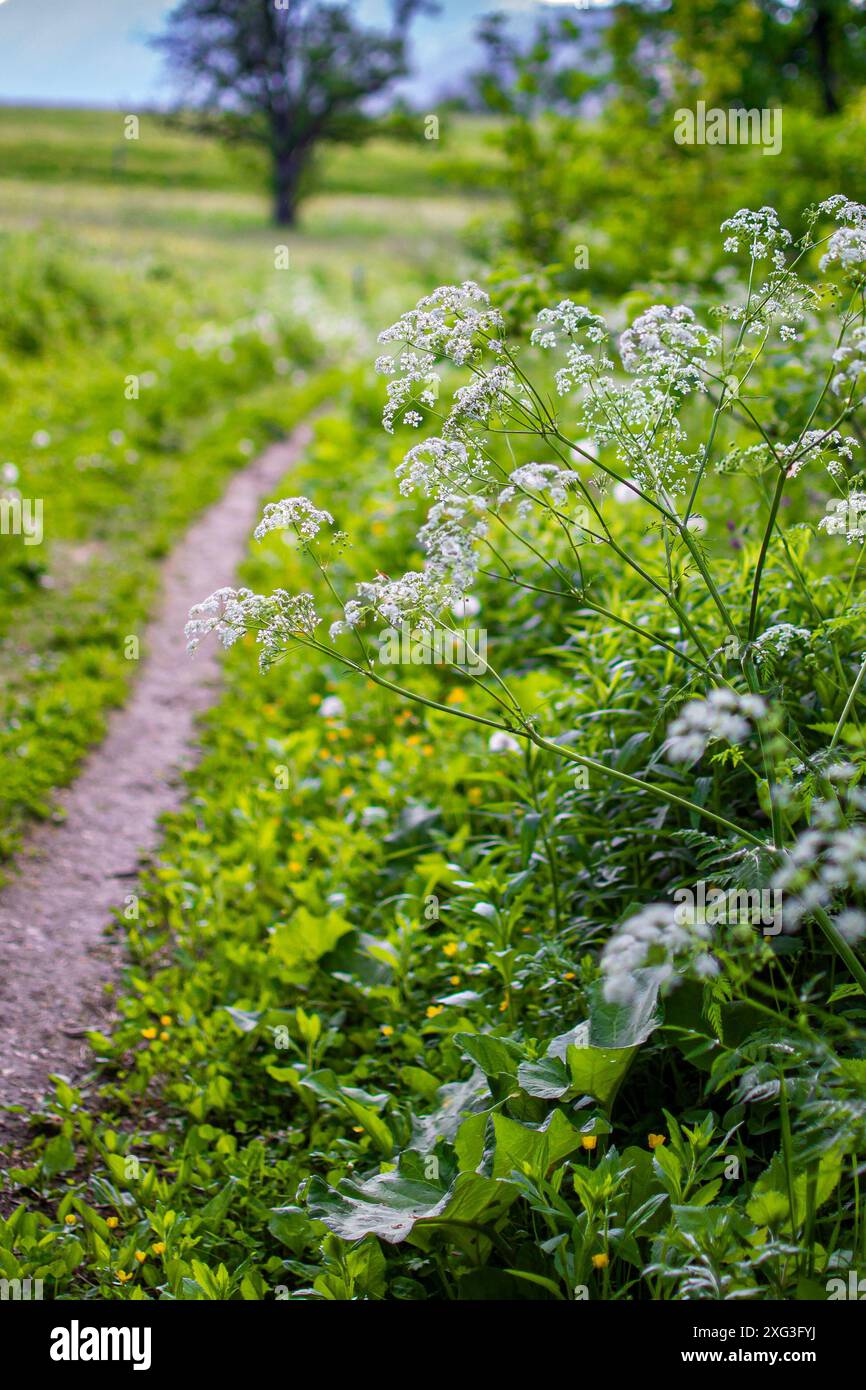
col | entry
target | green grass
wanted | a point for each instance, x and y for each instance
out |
(84, 146)
(164, 276)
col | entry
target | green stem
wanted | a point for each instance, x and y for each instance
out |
(848, 703)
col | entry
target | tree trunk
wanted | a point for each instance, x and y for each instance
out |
(288, 166)
(823, 40)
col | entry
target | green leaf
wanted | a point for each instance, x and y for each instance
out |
(300, 943)
(396, 1205)
(625, 1025)
(324, 1083)
(59, 1155)
(598, 1072)
(532, 1149)
(497, 1059)
(824, 1175)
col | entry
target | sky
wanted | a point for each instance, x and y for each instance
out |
(95, 52)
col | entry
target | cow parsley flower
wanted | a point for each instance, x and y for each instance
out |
(665, 345)
(416, 597)
(293, 513)
(455, 323)
(846, 246)
(777, 641)
(722, 715)
(846, 516)
(758, 232)
(658, 941)
(440, 467)
(851, 359)
(276, 619)
(532, 479)
(827, 863)
(500, 742)
(813, 445)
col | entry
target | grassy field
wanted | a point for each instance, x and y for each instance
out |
(111, 278)
(86, 146)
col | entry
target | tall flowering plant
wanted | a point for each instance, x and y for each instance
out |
(550, 466)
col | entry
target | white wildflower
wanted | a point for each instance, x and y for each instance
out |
(846, 516)
(722, 715)
(657, 940)
(295, 513)
(500, 742)
(332, 707)
(666, 345)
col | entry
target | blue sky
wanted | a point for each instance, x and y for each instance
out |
(94, 52)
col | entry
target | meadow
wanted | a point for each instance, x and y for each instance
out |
(430, 994)
(140, 327)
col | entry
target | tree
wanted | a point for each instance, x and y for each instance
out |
(743, 52)
(285, 74)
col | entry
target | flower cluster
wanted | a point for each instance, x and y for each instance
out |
(655, 939)
(846, 516)
(416, 597)
(724, 714)
(851, 359)
(295, 513)
(760, 233)
(777, 641)
(454, 323)
(439, 468)
(665, 345)
(533, 479)
(825, 864)
(276, 619)
(449, 536)
(813, 445)
(567, 321)
(846, 247)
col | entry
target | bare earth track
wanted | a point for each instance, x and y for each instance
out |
(54, 955)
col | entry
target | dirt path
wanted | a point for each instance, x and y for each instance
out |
(54, 956)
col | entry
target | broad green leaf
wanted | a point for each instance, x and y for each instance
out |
(300, 943)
